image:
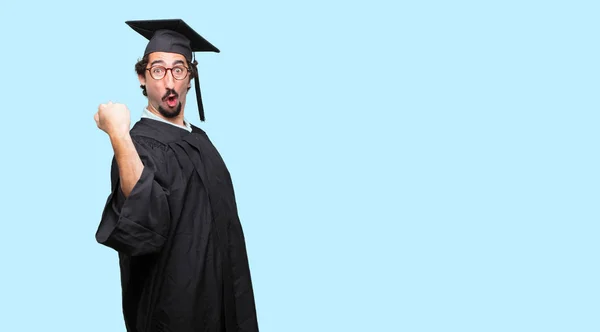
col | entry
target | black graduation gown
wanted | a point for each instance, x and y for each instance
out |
(181, 247)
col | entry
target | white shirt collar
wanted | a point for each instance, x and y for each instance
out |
(149, 115)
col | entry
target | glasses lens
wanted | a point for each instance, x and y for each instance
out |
(179, 72)
(157, 72)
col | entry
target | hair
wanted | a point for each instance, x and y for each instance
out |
(140, 69)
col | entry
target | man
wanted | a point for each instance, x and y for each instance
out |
(172, 215)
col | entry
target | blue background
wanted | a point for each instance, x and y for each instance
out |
(398, 166)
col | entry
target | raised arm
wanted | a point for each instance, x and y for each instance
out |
(136, 217)
(114, 119)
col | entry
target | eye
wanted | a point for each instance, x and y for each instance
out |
(157, 70)
(178, 70)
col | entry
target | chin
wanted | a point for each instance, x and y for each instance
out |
(170, 113)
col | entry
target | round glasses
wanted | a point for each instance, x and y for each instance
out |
(158, 72)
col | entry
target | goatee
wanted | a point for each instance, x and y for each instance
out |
(168, 114)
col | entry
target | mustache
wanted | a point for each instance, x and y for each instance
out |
(168, 93)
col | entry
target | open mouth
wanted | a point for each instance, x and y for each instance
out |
(171, 101)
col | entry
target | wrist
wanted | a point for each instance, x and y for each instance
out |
(119, 137)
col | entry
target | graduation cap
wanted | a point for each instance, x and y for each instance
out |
(174, 36)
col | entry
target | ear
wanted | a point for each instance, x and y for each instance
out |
(142, 79)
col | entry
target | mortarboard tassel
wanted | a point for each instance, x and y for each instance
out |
(199, 98)
(197, 86)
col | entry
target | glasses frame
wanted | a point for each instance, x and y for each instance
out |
(187, 72)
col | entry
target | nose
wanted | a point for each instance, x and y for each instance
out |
(169, 80)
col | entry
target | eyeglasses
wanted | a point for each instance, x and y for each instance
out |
(178, 72)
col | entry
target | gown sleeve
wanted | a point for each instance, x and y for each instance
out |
(137, 224)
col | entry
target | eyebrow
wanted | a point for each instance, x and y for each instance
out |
(176, 62)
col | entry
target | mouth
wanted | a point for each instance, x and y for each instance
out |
(171, 101)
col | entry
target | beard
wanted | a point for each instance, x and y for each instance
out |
(170, 114)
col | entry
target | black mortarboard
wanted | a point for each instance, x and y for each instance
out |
(174, 36)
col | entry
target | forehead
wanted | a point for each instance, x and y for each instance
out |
(165, 57)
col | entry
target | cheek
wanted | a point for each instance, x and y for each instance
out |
(154, 92)
(183, 89)
(150, 89)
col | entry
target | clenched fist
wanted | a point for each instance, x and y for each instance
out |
(113, 119)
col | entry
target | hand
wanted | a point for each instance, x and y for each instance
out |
(113, 119)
